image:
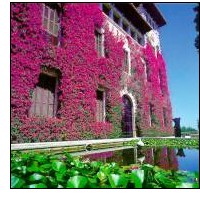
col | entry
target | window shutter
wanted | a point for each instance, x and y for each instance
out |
(44, 100)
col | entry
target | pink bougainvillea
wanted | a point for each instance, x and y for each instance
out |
(82, 72)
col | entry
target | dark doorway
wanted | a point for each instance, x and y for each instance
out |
(127, 124)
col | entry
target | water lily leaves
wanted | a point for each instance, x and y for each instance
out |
(74, 172)
(40, 158)
(117, 181)
(78, 163)
(137, 177)
(37, 177)
(95, 164)
(102, 176)
(21, 169)
(60, 186)
(164, 180)
(185, 185)
(59, 166)
(16, 182)
(45, 168)
(77, 182)
(34, 167)
(37, 186)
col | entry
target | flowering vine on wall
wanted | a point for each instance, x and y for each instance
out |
(82, 72)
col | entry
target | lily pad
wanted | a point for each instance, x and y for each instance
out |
(117, 181)
(16, 182)
(77, 182)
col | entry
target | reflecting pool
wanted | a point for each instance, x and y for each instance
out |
(165, 157)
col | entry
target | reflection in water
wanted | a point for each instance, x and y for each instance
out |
(122, 157)
(163, 157)
(180, 153)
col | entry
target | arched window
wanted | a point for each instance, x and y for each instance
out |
(127, 120)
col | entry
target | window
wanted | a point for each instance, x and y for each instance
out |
(44, 98)
(139, 40)
(50, 22)
(145, 68)
(151, 114)
(116, 19)
(106, 10)
(165, 117)
(100, 105)
(133, 34)
(148, 73)
(125, 26)
(160, 81)
(126, 61)
(99, 43)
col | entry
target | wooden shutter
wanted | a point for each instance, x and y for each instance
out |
(44, 97)
(100, 106)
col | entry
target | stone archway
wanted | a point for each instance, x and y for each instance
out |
(128, 114)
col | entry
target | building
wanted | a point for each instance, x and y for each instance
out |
(87, 71)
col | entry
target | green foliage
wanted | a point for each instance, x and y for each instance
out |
(187, 129)
(154, 120)
(114, 116)
(137, 177)
(87, 136)
(177, 142)
(45, 170)
(154, 133)
(15, 131)
(77, 182)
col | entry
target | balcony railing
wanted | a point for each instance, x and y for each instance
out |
(116, 18)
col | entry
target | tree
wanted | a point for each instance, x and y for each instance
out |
(187, 129)
(196, 21)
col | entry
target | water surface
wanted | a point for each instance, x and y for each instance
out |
(165, 157)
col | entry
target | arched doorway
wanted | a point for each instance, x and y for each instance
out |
(127, 117)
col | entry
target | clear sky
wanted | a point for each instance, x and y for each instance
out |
(182, 59)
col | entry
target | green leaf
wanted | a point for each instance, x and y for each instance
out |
(52, 182)
(196, 185)
(78, 164)
(77, 182)
(164, 180)
(185, 185)
(37, 186)
(102, 176)
(60, 176)
(16, 182)
(59, 166)
(74, 172)
(40, 158)
(34, 167)
(137, 177)
(45, 168)
(117, 181)
(95, 164)
(36, 177)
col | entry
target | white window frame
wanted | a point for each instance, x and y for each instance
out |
(104, 105)
(101, 51)
(128, 51)
(55, 23)
(145, 68)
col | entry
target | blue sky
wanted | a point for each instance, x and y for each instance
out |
(177, 41)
